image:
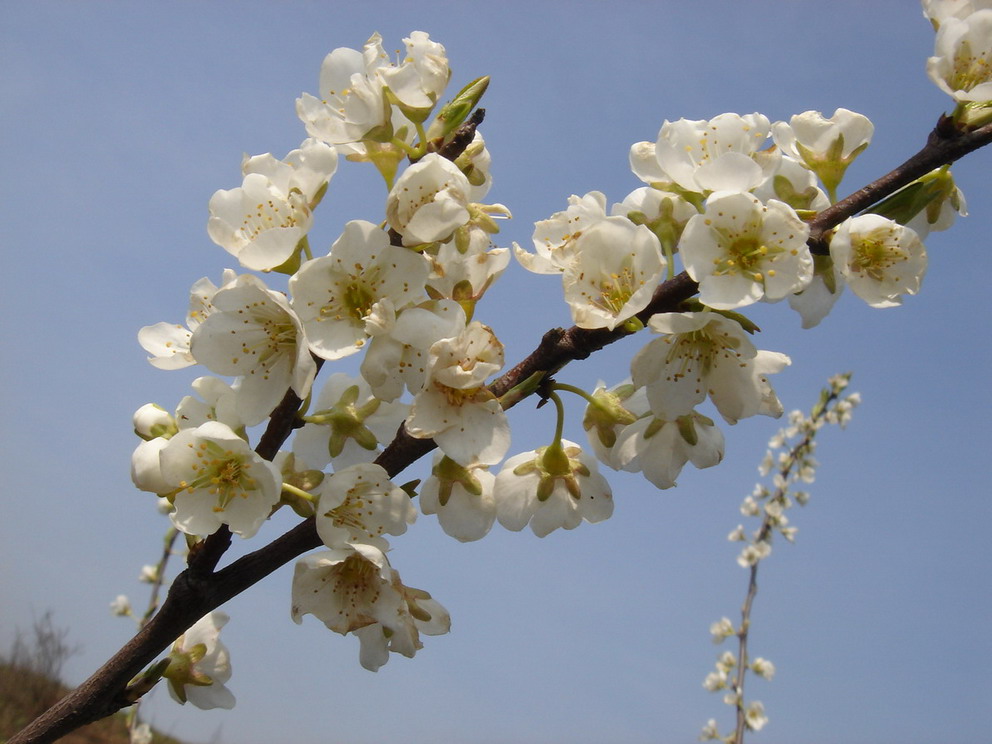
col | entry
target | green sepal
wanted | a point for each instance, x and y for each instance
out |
(386, 157)
(745, 322)
(319, 196)
(687, 429)
(606, 411)
(448, 472)
(633, 325)
(415, 114)
(545, 487)
(972, 114)
(693, 305)
(786, 192)
(292, 264)
(823, 266)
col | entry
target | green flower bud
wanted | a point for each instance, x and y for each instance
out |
(456, 111)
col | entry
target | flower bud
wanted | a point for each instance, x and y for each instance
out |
(151, 421)
(451, 116)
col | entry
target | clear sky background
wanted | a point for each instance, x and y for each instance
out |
(119, 120)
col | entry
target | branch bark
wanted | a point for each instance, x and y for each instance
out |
(201, 588)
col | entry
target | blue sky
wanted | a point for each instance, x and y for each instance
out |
(119, 120)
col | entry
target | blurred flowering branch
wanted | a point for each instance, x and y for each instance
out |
(793, 464)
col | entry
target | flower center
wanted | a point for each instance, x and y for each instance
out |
(697, 352)
(221, 473)
(273, 213)
(277, 339)
(745, 255)
(355, 581)
(350, 514)
(970, 70)
(616, 290)
(875, 256)
(458, 397)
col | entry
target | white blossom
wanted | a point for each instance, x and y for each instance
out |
(763, 668)
(741, 251)
(359, 504)
(422, 75)
(398, 355)
(962, 61)
(660, 448)
(199, 665)
(353, 589)
(352, 102)
(218, 401)
(554, 238)
(168, 343)
(706, 156)
(665, 213)
(754, 716)
(146, 469)
(613, 273)
(262, 222)
(255, 334)
(609, 412)
(752, 554)
(826, 146)
(722, 629)
(218, 479)
(715, 681)
(939, 10)
(121, 606)
(464, 272)
(336, 295)
(455, 409)
(347, 424)
(429, 201)
(462, 498)
(815, 301)
(704, 354)
(551, 487)
(152, 421)
(794, 184)
(880, 260)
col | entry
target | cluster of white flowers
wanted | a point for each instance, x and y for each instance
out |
(730, 198)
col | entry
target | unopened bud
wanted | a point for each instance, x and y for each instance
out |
(451, 116)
